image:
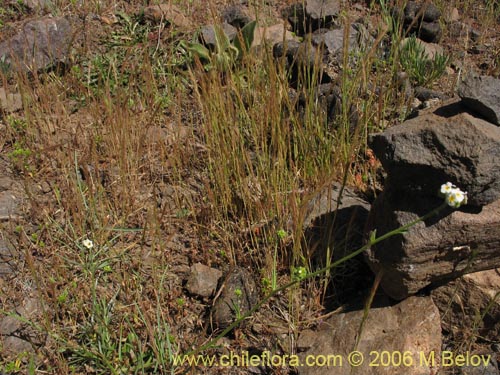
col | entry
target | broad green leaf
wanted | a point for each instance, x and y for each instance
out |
(245, 37)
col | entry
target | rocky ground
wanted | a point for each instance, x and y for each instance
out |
(114, 256)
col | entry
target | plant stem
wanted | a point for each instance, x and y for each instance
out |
(371, 242)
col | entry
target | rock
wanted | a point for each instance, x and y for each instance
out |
(10, 324)
(42, 44)
(203, 280)
(422, 21)
(444, 145)
(334, 228)
(462, 30)
(301, 59)
(333, 41)
(410, 326)
(167, 13)
(7, 259)
(10, 102)
(312, 15)
(430, 49)
(14, 346)
(239, 294)
(37, 5)
(423, 94)
(480, 369)
(236, 16)
(430, 32)
(6, 183)
(272, 35)
(481, 94)
(443, 248)
(208, 34)
(8, 205)
(470, 306)
(431, 12)
(322, 12)
(452, 16)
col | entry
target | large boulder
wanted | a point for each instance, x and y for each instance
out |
(447, 144)
(482, 95)
(445, 247)
(41, 44)
(470, 306)
(411, 327)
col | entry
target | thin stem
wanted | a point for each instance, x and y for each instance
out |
(372, 241)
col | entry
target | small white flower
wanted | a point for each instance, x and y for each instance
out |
(446, 188)
(88, 244)
(453, 196)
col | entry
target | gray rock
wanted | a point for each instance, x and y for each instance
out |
(8, 205)
(208, 34)
(8, 256)
(470, 306)
(333, 40)
(13, 346)
(447, 144)
(203, 280)
(443, 248)
(482, 95)
(300, 58)
(10, 324)
(411, 326)
(236, 15)
(322, 12)
(10, 102)
(272, 35)
(239, 295)
(33, 5)
(41, 44)
(462, 30)
(312, 15)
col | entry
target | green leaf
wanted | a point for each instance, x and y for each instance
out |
(222, 42)
(197, 49)
(244, 39)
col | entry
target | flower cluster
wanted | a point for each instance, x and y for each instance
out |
(453, 195)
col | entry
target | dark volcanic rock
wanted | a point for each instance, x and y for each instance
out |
(429, 253)
(422, 20)
(312, 15)
(436, 147)
(236, 16)
(301, 59)
(41, 44)
(482, 95)
(430, 32)
(239, 294)
(430, 12)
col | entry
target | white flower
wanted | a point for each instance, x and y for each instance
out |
(446, 188)
(453, 196)
(88, 244)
